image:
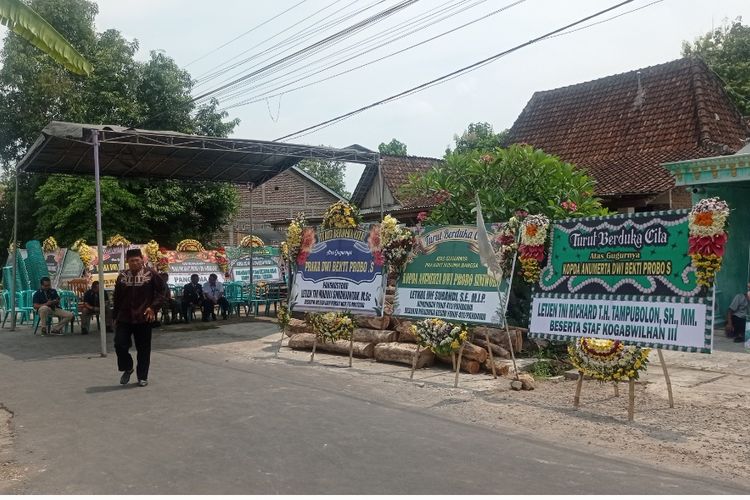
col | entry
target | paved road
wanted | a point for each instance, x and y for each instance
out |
(207, 425)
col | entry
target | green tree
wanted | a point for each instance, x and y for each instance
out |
(506, 180)
(478, 136)
(330, 173)
(393, 148)
(28, 24)
(516, 178)
(726, 50)
(34, 91)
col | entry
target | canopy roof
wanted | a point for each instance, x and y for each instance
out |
(66, 148)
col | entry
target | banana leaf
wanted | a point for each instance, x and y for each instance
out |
(25, 22)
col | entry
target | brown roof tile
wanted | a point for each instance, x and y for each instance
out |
(396, 171)
(621, 129)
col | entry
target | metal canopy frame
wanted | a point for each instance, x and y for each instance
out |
(110, 150)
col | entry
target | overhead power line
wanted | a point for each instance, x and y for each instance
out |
(270, 93)
(226, 66)
(332, 38)
(245, 33)
(449, 76)
(361, 47)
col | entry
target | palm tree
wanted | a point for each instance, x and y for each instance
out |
(25, 22)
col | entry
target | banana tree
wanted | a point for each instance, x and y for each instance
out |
(25, 22)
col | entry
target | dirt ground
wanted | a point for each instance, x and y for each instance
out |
(10, 472)
(705, 433)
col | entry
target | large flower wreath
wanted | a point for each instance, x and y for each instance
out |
(294, 236)
(531, 251)
(251, 240)
(608, 360)
(85, 252)
(439, 336)
(190, 246)
(118, 240)
(505, 243)
(332, 326)
(397, 242)
(707, 238)
(50, 245)
(341, 215)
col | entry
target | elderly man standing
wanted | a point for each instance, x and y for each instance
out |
(139, 293)
(46, 302)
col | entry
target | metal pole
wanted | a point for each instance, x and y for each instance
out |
(100, 248)
(251, 236)
(13, 304)
(380, 180)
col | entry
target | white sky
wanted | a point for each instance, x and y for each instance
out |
(426, 122)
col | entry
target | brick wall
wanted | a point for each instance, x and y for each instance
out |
(282, 197)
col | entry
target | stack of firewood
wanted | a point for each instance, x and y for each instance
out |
(390, 339)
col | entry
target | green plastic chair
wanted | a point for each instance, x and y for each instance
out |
(69, 302)
(5, 307)
(258, 296)
(235, 297)
(26, 304)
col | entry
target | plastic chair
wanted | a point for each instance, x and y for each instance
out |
(233, 294)
(26, 307)
(69, 302)
(5, 306)
(258, 295)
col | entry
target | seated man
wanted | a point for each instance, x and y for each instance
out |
(213, 293)
(91, 308)
(170, 307)
(737, 316)
(192, 295)
(46, 302)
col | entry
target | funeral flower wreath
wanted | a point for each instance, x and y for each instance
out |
(438, 335)
(332, 326)
(608, 360)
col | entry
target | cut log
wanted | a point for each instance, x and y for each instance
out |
(373, 323)
(403, 328)
(304, 342)
(499, 337)
(374, 336)
(502, 367)
(396, 352)
(467, 365)
(298, 326)
(498, 351)
(474, 352)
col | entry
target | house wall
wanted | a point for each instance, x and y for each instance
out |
(281, 197)
(372, 198)
(735, 268)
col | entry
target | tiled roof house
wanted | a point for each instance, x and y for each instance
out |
(395, 171)
(622, 127)
(282, 197)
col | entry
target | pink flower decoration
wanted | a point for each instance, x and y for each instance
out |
(421, 217)
(521, 213)
(570, 206)
(532, 251)
(378, 258)
(302, 258)
(707, 245)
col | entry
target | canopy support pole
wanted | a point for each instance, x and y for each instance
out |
(252, 281)
(13, 304)
(100, 247)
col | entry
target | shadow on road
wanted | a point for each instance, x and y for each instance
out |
(22, 345)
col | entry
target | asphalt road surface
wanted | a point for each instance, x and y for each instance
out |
(208, 425)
